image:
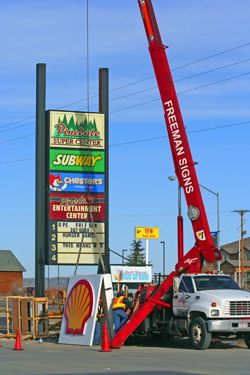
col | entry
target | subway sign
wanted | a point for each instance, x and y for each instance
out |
(76, 160)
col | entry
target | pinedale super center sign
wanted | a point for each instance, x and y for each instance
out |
(76, 191)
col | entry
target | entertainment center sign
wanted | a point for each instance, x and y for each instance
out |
(76, 187)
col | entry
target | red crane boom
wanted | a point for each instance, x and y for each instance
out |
(204, 248)
(182, 157)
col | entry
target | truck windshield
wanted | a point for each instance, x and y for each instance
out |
(215, 282)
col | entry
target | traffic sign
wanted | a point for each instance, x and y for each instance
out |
(147, 233)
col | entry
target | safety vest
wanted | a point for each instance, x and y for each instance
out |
(118, 303)
(100, 311)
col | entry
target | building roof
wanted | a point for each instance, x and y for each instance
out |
(9, 263)
(235, 263)
(233, 247)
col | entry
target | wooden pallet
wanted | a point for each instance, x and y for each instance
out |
(29, 315)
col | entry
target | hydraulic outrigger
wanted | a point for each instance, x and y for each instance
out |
(204, 248)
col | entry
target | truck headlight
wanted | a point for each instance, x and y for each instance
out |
(215, 312)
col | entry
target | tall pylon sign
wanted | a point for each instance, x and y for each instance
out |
(72, 185)
(76, 187)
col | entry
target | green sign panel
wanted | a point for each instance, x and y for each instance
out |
(77, 160)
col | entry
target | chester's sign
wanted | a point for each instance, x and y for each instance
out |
(77, 182)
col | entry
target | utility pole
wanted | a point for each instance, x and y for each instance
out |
(242, 233)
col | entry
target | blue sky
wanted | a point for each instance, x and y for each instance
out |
(214, 99)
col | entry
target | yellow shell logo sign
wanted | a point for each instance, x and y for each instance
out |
(78, 307)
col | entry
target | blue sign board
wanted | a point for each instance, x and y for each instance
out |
(77, 182)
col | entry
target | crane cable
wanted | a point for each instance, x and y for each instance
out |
(89, 199)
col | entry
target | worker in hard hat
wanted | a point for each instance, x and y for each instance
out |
(121, 310)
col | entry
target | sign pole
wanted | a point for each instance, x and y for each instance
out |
(147, 233)
(147, 252)
(40, 181)
(104, 108)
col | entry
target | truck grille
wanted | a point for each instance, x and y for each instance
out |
(239, 308)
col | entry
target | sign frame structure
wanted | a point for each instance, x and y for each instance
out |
(147, 233)
(76, 144)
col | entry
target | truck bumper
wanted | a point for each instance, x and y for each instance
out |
(229, 325)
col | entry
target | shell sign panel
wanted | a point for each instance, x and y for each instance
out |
(76, 187)
(81, 307)
(78, 307)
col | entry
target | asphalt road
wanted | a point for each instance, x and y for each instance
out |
(51, 358)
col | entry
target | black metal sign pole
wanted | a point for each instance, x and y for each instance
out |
(104, 108)
(40, 205)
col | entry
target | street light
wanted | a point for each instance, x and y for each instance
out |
(172, 178)
(179, 221)
(123, 251)
(218, 217)
(164, 255)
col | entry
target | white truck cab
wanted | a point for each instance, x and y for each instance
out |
(209, 305)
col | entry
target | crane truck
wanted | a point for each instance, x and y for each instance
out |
(198, 305)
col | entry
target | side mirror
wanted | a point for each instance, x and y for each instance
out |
(176, 283)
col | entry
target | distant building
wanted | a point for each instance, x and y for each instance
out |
(230, 258)
(230, 261)
(11, 273)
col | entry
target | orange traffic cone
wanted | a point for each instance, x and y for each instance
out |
(18, 341)
(105, 339)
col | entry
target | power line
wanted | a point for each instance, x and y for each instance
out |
(16, 122)
(151, 139)
(185, 65)
(188, 132)
(16, 127)
(142, 91)
(182, 92)
(156, 214)
(214, 83)
(214, 55)
(152, 100)
(154, 87)
(218, 127)
(147, 78)
(16, 161)
(181, 79)
(3, 214)
(16, 139)
(213, 70)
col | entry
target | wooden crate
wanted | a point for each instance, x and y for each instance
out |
(28, 314)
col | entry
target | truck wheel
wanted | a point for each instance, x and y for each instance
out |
(199, 336)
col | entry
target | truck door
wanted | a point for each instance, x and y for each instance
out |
(184, 297)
